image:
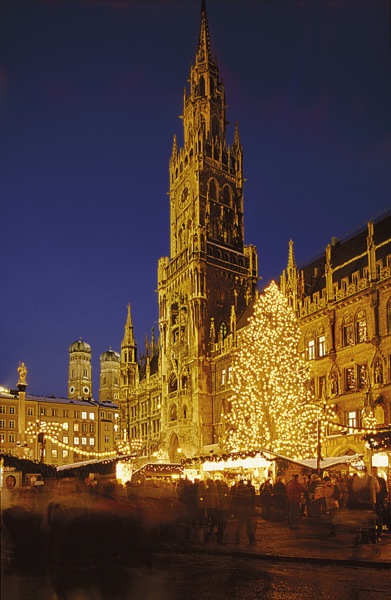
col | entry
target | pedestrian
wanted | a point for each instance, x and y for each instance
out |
(266, 498)
(244, 504)
(315, 492)
(365, 489)
(381, 496)
(224, 507)
(331, 494)
(294, 490)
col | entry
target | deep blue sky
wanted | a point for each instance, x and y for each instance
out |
(90, 94)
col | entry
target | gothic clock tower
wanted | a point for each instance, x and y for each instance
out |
(210, 272)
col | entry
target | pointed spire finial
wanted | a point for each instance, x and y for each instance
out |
(291, 255)
(204, 50)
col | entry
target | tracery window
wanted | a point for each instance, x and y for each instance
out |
(347, 331)
(361, 327)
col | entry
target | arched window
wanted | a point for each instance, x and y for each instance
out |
(215, 127)
(389, 316)
(202, 86)
(172, 383)
(184, 411)
(212, 190)
(173, 412)
(347, 331)
(310, 346)
(227, 195)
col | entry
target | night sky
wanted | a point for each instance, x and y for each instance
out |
(90, 95)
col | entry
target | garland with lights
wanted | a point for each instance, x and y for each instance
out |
(378, 441)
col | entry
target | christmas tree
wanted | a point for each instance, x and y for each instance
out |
(272, 407)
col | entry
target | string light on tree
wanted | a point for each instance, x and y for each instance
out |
(272, 403)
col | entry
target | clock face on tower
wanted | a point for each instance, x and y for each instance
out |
(184, 197)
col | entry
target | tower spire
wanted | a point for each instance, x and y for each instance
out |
(204, 53)
(129, 336)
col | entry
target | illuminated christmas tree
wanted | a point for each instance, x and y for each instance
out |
(272, 406)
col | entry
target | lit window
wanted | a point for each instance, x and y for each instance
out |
(322, 386)
(92, 441)
(352, 421)
(83, 415)
(84, 441)
(91, 416)
(76, 440)
(2, 438)
(310, 349)
(65, 426)
(223, 375)
(229, 374)
(43, 411)
(350, 380)
(76, 427)
(54, 453)
(361, 327)
(362, 376)
(65, 439)
(65, 453)
(92, 428)
(321, 346)
(348, 332)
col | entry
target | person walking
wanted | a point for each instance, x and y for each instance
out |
(294, 490)
(331, 494)
(315, 492)
(381, 495)
(244, 503)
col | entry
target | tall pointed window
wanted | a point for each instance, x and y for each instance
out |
(347, 331)
(361, 327)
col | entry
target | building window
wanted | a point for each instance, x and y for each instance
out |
(91, 415)
(310, 349)
(11, 438)
(84, 441)
(65, 453)
(65, 426)
(2, 438)
(348, 332)
(92, 428)
(229, 374)
(173, 412)
(11, 424)
(12, 410)
(2, 409)
(102, 414)
(144, 430)
(54, 412)
(321, 346)
(54, 453)
(362, 376)
(30, 411)
(352, 421)
(92, 441)
(43, 411)
(222, 332)
(107, 427)
(107, 439)
(83, 415)
(2, 423)
(76, 414)
(389, 316)
(84, 427)
(76, 441)
(350, 381)
(223, 375)
(65, 439)
(361, 327)
(65, 413)
(76, 427)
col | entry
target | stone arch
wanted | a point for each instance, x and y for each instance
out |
(173, 447)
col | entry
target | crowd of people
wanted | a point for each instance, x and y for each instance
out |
(102, 523)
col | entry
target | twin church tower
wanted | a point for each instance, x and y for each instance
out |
(166, 398)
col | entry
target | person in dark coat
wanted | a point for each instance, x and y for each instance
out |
(243, 504)
(294, 490)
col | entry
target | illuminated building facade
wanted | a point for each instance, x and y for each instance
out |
(343, 301)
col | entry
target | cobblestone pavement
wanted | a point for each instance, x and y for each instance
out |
(310, 543)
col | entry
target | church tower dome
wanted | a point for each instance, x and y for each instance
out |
(109, 376)
(80, 370)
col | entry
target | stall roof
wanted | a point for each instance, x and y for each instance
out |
(94, 461)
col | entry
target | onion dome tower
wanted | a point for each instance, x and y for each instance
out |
(80, 370)
(109, 376)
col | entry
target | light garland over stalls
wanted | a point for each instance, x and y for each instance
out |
(52, 429)
(272, 403)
